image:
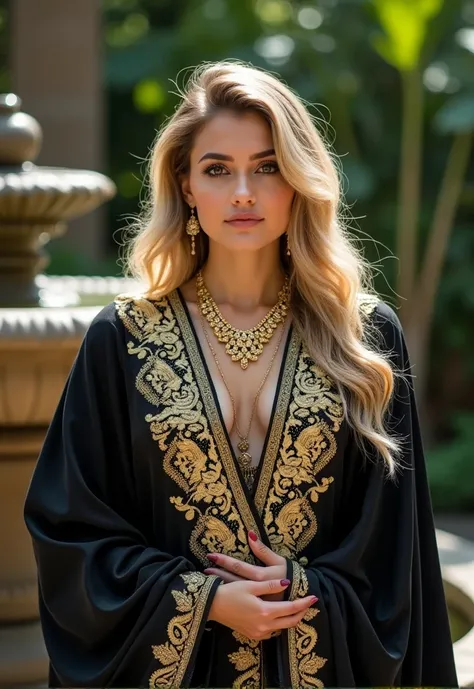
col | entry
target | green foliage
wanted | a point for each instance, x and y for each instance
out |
(325, 51)
(405, 24)
(451, 468)
(149, 96)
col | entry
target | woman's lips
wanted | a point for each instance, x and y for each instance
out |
(249, 222)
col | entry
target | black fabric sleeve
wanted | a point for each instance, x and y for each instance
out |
(115, 609)
(381, 619)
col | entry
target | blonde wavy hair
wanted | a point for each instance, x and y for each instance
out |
(327, 272)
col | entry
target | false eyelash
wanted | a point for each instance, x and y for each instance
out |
(219, 166)
(273, 164)
(213, 167)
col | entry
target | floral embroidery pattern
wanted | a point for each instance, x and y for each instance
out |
(174, 654)
(308, 445)
(181, 429)
(304, 662)
(247, 661)
(193, 460)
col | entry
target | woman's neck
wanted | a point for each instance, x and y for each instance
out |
(244, 282)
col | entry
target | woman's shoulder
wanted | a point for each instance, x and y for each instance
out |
(137, 314)
(127, 315)
(382, 325)
(104, 330)
(374, 309)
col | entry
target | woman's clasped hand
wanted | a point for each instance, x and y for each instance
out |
(252, 600)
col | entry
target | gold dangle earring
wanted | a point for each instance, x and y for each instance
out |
(193, 228)
(288, 252)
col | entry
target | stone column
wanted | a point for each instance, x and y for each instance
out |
(56, 63)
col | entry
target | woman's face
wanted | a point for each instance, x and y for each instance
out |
(241, 199)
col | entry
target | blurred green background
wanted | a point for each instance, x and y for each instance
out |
(392, 83)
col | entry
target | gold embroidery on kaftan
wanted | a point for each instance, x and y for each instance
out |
(367, 303)
(192, 453)
(308, 445)
(182, 430)
(304, 662)
(247, 661)
(292, 526)
(276, 433)
(301, 443)
(174, 655)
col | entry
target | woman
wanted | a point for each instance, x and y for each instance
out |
(232, 491)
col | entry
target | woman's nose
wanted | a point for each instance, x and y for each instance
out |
(243, 194)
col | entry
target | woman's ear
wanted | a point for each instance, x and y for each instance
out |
(186, 189)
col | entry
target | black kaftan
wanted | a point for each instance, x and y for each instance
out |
(137, 482)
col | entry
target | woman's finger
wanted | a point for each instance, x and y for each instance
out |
(263, 588)
(226, 576)
(287, 622)
(263, 552)
(290, 608)
(241, 569)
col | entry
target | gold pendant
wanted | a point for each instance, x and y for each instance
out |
(245, 460)
(245, 464)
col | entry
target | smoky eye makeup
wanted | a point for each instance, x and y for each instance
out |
(272, 164)
(215, 170)
(219, 170)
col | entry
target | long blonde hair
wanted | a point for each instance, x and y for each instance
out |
(327, 273)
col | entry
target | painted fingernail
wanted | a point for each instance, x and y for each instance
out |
(212, 558)
(314, 600)
(285, 582)
(253, 536)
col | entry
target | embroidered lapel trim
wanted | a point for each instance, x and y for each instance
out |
(279, 419)
(212, 413)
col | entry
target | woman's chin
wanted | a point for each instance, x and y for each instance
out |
(244, 241)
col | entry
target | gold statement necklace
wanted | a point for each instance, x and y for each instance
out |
(242, 345)
(244, 458)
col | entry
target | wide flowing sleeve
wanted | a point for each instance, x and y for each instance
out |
(381, 619)
(115, 609)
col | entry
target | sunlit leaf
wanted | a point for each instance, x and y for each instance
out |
(273, 11)
(405, 24)
(149, 96)
(456, 116)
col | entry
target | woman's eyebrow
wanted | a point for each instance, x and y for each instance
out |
(222, 156)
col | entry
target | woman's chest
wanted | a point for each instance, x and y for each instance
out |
(246, 397)
(186, 472)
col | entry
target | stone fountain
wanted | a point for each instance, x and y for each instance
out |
(42, 322)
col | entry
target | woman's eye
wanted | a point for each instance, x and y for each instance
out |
(215, 170)
(268, 168)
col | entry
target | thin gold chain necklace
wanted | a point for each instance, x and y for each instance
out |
(242, 345)
(244, 458)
